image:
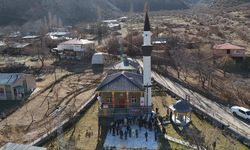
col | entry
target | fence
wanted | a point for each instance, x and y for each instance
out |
(121, 112)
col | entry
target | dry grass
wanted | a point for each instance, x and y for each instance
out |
(211, 133)
(19, 123)
(75, 137)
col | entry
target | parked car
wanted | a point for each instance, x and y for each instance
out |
(241, 112)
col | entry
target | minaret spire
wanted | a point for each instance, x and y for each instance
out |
(147, 23)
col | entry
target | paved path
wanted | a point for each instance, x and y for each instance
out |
(208, 106)
(218, 111)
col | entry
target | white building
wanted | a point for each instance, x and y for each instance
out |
(97, 59)
(15, 86)
(2, 45)
(75, 49)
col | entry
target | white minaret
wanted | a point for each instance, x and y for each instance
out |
(146, 50)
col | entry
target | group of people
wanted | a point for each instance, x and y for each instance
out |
(122, 127)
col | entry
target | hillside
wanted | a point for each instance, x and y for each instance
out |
(18, 12)
(228, 3)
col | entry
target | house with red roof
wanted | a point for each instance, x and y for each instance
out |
(234, 51)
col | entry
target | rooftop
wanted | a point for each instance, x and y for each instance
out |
(9, 78)
(13, 146)
(126, 64)
(77, 42)
(181, 106)
(228, 46)
(19, 45)
(30, 37)
(122, 81)
(2, 43)
(58, 33)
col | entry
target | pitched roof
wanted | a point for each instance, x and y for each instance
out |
(181, 106)
(126, 64)
(228, 46)
(13, 146)
(9, 78)
(122, 81)
(76, 42)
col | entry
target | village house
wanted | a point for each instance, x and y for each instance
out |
(15, 48)
(112, 24)
(30, 38)
(227, 49)
(15, 86)
(75, 49)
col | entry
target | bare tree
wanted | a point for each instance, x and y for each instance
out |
(31, 113)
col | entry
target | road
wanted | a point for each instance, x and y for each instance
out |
(218, 111)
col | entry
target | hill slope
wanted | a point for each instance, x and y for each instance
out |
(73, 11)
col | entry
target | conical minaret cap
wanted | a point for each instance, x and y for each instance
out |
(146, 23)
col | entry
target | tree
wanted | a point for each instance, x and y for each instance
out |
(113, 45)
(227, 64)
(246, 65)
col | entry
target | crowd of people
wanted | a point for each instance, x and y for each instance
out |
(122, 127)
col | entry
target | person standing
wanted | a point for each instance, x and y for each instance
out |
(146, 135)
(121, 134)
(125, 135)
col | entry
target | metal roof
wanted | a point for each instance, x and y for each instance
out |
(19, 45)
(9, 78)
(122, 81)
(77, 42)
(181, 106)
(13, 146)
(30, 37)
(126, 64)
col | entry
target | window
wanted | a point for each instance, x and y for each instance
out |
(133, 100)
(1, 91)
(109, 99)
(248, 112)
(228, 51)
(242, 112)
